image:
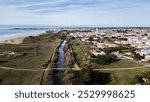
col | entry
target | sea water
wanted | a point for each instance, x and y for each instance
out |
(8, 31)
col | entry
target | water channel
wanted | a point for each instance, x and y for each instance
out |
(60, 61)
(58, 77)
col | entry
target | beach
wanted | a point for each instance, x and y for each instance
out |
(12, 41)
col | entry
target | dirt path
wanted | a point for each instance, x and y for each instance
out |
(16, 69)
(77, 68)
(131, 68)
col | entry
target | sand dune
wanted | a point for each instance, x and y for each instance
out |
(12, 41)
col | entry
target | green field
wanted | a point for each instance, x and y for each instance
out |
(124, 77)
(124, 63)
(34, 53)
(12, 77)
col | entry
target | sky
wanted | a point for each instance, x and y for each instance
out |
(104, 13)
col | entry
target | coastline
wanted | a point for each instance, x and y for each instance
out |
(17, 40)
(8, 36)
(14, 41)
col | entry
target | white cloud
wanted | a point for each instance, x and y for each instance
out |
(83, 12)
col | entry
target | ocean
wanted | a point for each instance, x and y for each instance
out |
(15, 31)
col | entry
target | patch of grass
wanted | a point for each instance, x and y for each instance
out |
(11, 77)
(124, 77)
(81, 52)
(125, 63)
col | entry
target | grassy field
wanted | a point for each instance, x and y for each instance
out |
(11, 77)
(34, 53)
(125, 63)
(81, 52)
(124, 77)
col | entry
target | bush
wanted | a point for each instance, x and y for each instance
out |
(119, 48)
(91, 39)
(146, 74)
(138, 56)
(89, 77)
(137, 80)
(84, 77)
(105, 59)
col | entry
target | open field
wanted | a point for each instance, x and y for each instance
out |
(125, 63)
(124, 77)
(33, 53)
(12, 77)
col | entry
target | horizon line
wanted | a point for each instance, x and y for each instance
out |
(75, 25)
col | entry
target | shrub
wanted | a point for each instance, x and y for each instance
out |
(89, 77)
(105, 59)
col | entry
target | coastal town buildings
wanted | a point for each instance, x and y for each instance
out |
(135, 37)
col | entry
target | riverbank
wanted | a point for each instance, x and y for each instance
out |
(32, 53)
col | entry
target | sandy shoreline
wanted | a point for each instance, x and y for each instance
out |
(13, 41)
(17, 40)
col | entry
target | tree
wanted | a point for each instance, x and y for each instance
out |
(91, 38)
(145, 34)
(137, 80)
(89, 77)
(137, 56)
(146, 74)
(84, 77)
(105, 59)
(112, 49)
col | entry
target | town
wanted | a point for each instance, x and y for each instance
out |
(99, 38)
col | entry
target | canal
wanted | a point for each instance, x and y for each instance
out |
(58, 76)
(60, 61)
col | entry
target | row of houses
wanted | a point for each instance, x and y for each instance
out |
(135, 40)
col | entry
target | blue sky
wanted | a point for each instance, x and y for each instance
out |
(76, 12)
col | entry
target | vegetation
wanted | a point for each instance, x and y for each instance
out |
(124, 77)
(34, 53)
(105, 59)
(146, 74)
(119, 48)
(137, 80)
(13, 77)
(118, 76)
(138, 56)
(89, 77)
(80, 52)
(143, 78)
(124, 63)
(91, 38)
